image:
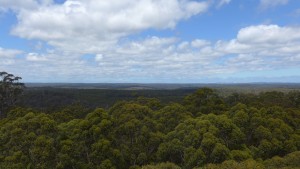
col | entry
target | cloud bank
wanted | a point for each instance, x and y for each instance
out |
(87, 43)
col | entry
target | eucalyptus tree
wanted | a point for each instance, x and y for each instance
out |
(10, 91)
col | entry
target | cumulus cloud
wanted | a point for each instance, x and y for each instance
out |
(260, 47)
(162, 58)
(263, 47)
(93, 25)
(249, 61)
(101, 29)
(265, 4)
(268, 34)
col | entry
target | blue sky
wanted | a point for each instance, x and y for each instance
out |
(151, 41)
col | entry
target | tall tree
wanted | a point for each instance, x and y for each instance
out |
(10, 90)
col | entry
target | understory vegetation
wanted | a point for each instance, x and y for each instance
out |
(204, 130)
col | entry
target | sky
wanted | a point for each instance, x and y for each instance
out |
(151, 41)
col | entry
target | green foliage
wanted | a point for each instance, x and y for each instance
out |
(205, 101)
(193, 157)
(203, 132)
(166, 165)
(241, 155)
(172, 115)
(220, 153)
(291, 160)
(230, 164)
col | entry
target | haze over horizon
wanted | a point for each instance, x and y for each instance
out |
(151, 41)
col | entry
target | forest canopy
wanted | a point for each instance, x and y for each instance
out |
(204, 130)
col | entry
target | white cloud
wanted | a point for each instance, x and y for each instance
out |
(7, 62)
(183, 45)
(18, 5)
(199, 43)
(35, 57)
(101, 28)
(247, 61)
(148, 45)
(162, 58)
(268, 34)
(9, 53)
(157, 58)
(8, 56)
(262, 47)
(223, 2)
(264, 4)
(154, 56)
(98, 57)
(233, 47)
(92, 26)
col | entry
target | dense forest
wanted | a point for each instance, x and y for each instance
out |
(202, 130)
